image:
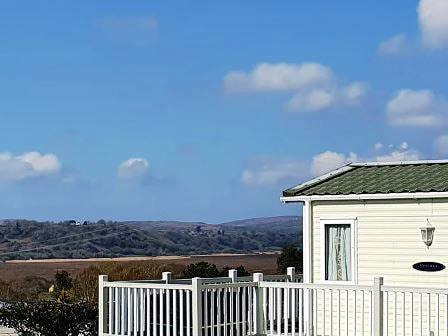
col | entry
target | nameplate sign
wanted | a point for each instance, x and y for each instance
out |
(428, 266)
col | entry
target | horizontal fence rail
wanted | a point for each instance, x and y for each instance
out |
(268, 305)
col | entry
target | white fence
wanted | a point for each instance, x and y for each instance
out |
(268, 305)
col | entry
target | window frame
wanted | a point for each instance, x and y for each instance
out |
(353, 249)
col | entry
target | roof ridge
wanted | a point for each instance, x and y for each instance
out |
(397, 163)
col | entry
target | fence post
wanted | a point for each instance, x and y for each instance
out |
(291, 271)
(378, 306)
(233, 274)
(167, 277)
(102, 307)
(258, 305)
(197, 306)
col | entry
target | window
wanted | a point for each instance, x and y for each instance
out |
(338, 250)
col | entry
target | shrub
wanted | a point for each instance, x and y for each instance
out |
(201, 269)
(291, 256)
(240, 271)
(49, 318)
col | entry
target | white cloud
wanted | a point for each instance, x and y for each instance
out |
(133, 168)
(327, 161)
(378, 146)
(441, 144)
(433, 20)
(313, 86)
(416, 108)
(393, 46)
(271, 173)
(278, 77)
(401, 152)
(354, 92)
(28, 165)
(314, 100)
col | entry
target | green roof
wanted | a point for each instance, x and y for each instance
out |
(378, 178)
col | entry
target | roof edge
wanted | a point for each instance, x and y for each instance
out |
(359, 197)
(291, 191)
(396, 163)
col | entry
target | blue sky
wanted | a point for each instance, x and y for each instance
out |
(204, 110)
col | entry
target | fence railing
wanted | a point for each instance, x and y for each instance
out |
(268, 305)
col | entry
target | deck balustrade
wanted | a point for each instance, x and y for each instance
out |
(267, 305)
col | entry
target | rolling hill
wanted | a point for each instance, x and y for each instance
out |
(24, 239)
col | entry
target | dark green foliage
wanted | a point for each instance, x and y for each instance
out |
(206, 270)
(44, 240)
(48, 318)
(201, 269)
(62, 281)
(240, 271)
(291, 256)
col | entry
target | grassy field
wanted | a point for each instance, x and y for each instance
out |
(19, 269)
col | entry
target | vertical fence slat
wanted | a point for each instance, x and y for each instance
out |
(110, 309)
(213, 312)
(314, 296)
(189, 313)
(428, 315)
(232, 311)
(293, 312)
(301, 312)
(279, 310)
(219, 311)
(285, 311)
(225, 313)
(244, 310)
(339, 312)
(142, 312)
(421, 315)
(154, 312)
(331, 312)
(182, 312)
(205, 309)
(148, 312)
(175, 333)
(354, 312)
(161, 312)
(136, 315)
(362, 313)
(386, 315)
(437, 315)
(346, 312)
(237, 320)
(168, 312)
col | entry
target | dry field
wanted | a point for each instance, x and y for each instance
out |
(15, 270)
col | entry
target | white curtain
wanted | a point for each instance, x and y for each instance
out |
(338, 261)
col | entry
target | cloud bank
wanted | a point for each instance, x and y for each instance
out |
(312, 86)
(133, 169)
(27, 166)
(420, 108)
(433, 22)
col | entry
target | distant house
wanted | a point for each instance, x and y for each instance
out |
(366, 219)
(74, 222)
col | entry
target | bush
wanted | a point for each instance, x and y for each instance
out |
(48, 318)
(291, 256)
(240, 271)
(201, 269)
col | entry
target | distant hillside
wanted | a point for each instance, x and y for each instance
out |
(23, 239)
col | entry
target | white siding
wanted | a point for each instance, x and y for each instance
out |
(389, 240)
